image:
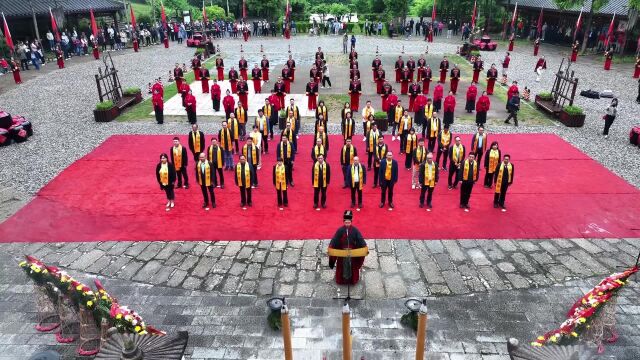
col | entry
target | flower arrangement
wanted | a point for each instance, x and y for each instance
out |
(100, 303)
(584, 310)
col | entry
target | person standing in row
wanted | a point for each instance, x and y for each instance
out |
(479, 144)
(264, 64)
(285, 152)
(216, 94)
(609, 117)
(347, 154)
(204, 78)
(158, 106)
(449, 108)
(456, 155)
(469, 175)
(388, 175)
(166, 176)
(320, 179)
(243, 181)
(280, 183)
(190, 106)
(228, 103)
(180, 161)
(357, 179)
(262, 124)
(419, 155)
(226, 143)
(504, 179)
(491, 162)
(492, 76)
(444, 143)
(206, 176)
(428, 178)
(482, 107)
(256, 77)
(312, 94)
(196, 142)
(215, 155)
(380, 153)
(251, 152)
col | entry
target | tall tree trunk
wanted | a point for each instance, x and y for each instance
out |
(587, 30)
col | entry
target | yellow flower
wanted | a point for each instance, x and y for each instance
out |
(582, 320)
(574, 334)
(536, 344)
(137, 328)
(104, 297)
(541, 338)
(79, 287)
(89, 303)
(22, 264)
(119, 316)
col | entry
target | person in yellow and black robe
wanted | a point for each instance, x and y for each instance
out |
(347, 154)
(348, 126)
(357, 178)
(243, 181)
(428, 177)
(180, 161)
(419, 155)
(285, 152)
(405, 124)
(166, 176)
(321, 134)
(225, 137)
(410, 144)
(320, 179)
(317, 150)
(215, 155)
(469, 176)
(234, 127)
(196, 142)
(491, 162)
(252, 154)
(456, 157)
(504, 179)
(379, 153)
(371, 143)
(262, 122)
(347, 237)
(280, 182)
(206, 176)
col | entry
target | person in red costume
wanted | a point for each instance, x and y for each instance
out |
(228, 103)
(541, 65)
(190, 106)
(380, 79)
(243, 93)
(404, 81)
(482, 107)
(184, 91)
(292, 68)
(204, 79)
(355, 89)
(492, 76)
(60, 57)
(472, 93)
(425, 76)
(264, 64)
(574, 51)
(513, 89)
(195, 66)
(158, 106)
(312, 94)
(399, 66)
(243, 65)
(389, 98)
(256, 75)
(478, 66)
(636, 72)
(347, 237)
(414, 91)
(286, 78)
(216, 95)
(220, 68)
(438, 94)
(511, 41)
(449, 108)
(608, 56)
(455, 79)
(505, 63)
(233, 79)
(444, 67)
(375, 65)
(536, 47)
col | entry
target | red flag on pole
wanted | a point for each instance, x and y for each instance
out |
(578, 25)
(473, 16)
(204, 13)
(244, 9)
(539, 29)
(513, 18)
(433, 12)
(163, 16)
(133, 18)
(54, 26)
(94, 25)
(610, 32)
(287, 12)
(7, 33)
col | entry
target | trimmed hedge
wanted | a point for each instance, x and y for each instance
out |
(105, 105)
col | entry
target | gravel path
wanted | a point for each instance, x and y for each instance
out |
(66, 133)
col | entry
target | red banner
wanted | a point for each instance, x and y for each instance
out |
(433, 12)
(610, 32)
(94, 25)
(204, 13)
(7, 33)
(578, 25)
(244, 9)
(133, 18)
(54, 26)
(513, 18)
(473, 16)
(163, 16)
(539, 29)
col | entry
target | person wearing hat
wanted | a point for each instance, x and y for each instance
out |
(347, 237)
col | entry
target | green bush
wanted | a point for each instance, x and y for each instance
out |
(573, 110)
(380, 115)
(545, 95)
(350, 27)
(105, 105)
(131, 91)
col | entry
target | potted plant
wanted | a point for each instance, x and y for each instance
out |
(380, 117)
(105, 111)
(572, 116)
(134, 92)
(544, 96)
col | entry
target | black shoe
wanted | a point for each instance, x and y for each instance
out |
(381, 205)
(507, 122)
(495, 206)
(421, 205)
(324, 206)
(360, 206)
(391, 205)
(213, 206)
(242, 204)
(353, 205)
(292, 185)
(429, 206)
(286, 204)
(315, 206)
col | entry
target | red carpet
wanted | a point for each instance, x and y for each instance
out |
(112, 194)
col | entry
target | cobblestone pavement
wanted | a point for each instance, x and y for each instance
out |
(466, 326)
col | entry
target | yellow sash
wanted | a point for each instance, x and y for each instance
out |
(428, 111)
(247, 175)
(177, 157)
(475, 142)
(207, 170)
(195, 136)
(398, 113)
(465, 173)
(404, 120)
(411, 143)
(218, 156)
(282, 151)
(494, 158)
(322, 136)
(293, 123)
(319, 151)
(381, 152)
(359, 252)
(344, 154)
(387, 170)
(456, 155)
(281, 177)
(164, 174)
(262, 123)
(348, 127)
(421, 154)
(323, 111)
(434, 128)
(367, 126)
(226, 139)
(233, 126)
(316, 170)
(445, 138)
(267, 111)
(240, 115)
(500, 173)
(360, 170)
(367, 112)
(429, 175)
(254, 157)
(373, 140)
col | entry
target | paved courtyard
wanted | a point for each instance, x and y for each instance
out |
(479, 291)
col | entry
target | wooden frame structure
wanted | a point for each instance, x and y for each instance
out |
(107, 81)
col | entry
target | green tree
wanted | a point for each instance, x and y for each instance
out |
(338, 9)
(377, 6)
(596, 5)
(396, 9)
(362, 6)
(215, 12)
(421, 8)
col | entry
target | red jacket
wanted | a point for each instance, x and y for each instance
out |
(472, 92)
(190, 101)
(450, 103)
(216, 93)
(483, 104)
(185, 88)
(157, 100)
(158, 87)
(438, 92)
(541, 63)
(275, 101)
(512, 90)
(505, 63)
(420, 101)
(392, 100)
(228, 103)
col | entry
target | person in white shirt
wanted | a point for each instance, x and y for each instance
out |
(366, 112)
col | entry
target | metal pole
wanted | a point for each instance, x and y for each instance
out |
(286, 332)
(35, 23)
(346, 332)
(422, 332)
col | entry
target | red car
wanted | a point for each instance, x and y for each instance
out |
(197, 40)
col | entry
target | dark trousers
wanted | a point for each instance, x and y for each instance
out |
(479, 156)
(488, 178)
(220, 176)
(445, 153)
(386, 187)
(429, 191)
(271, 129)
(265, 143)
(254, 174)
(159, 114)
(376, 175)
(216, 105)
(431, 143)
(237, 143)
(288, 171)
(316, 194)
(191, 115)
(513, 115)
(242, 130)
(465, 192)
(245, 195)
(608, 121)
(211, 195)
(325, 80)
(182, 173)
(282, 197)
(345, 171)
(499, 198)
(453, 172)
(403, 141)
(356, 189)
(171, 194)
(370, 158)
(408, 159)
